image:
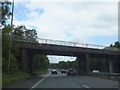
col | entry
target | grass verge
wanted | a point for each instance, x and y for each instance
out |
(19, 76)
(41, 72)
(12, 78)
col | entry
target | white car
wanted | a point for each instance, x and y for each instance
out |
(95, 71)
(54, 71)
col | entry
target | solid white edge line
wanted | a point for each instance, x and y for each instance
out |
(86, 86)
(39, 81)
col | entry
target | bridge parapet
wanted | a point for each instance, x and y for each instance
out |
(67, 43)
(75, 44)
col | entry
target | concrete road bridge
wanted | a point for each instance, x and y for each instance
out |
(83, 52)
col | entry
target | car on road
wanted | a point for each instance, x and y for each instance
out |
(71, 72)
(63, 71)
(95, 71)
(54, 71)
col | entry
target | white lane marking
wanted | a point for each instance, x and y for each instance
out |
(39, 81)
(69, 78)
(86, 86)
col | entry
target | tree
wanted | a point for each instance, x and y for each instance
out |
(5, 48)
(66, 65)
(40, 62)
(21, 33)
(18, 33)
(5, 11)
(98, 64)
(114, 47)
(116, 44)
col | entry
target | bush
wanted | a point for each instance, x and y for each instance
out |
(13, 64)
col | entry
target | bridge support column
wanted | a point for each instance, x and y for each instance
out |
(24, 60)
(78, 65)
(110, 66)
(87, 63)
(113, 65)
(31, 66)
(118, 58)
(83, 64)
(27, 60)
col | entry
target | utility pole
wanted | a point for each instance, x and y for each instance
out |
(11, 36)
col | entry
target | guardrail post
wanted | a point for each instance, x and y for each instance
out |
(61, 42)
(86, 45)
(74, 44)
(46, 41)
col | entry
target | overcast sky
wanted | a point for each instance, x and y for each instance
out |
(76, 21)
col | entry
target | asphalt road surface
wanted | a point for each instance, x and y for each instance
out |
(64, 81)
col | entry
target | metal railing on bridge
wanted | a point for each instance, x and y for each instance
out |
(67, 43)
(64, 43)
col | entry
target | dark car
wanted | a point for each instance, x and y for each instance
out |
(63, 71)
(53, 71)
(71, 72)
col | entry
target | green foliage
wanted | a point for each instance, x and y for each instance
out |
(5, 48)
(11, 78)
(98, 64)
(5, 10)
(116, 44)
(54, 65)
(13, 65)
(5, 67)
(40, 72)
(64, 65)
(17, 34)
(21, 33)
(40, 62)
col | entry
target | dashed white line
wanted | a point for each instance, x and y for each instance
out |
(39, 81)
(69, 78)
(86, 86)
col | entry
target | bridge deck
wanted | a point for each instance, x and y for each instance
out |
(51, 49)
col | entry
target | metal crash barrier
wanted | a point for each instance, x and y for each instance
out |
(112, 76)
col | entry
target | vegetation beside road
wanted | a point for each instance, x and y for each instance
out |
(11, 64)
(64, 65)
(40, 72)
(14, 77)
(19, 76)
(12, 69)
